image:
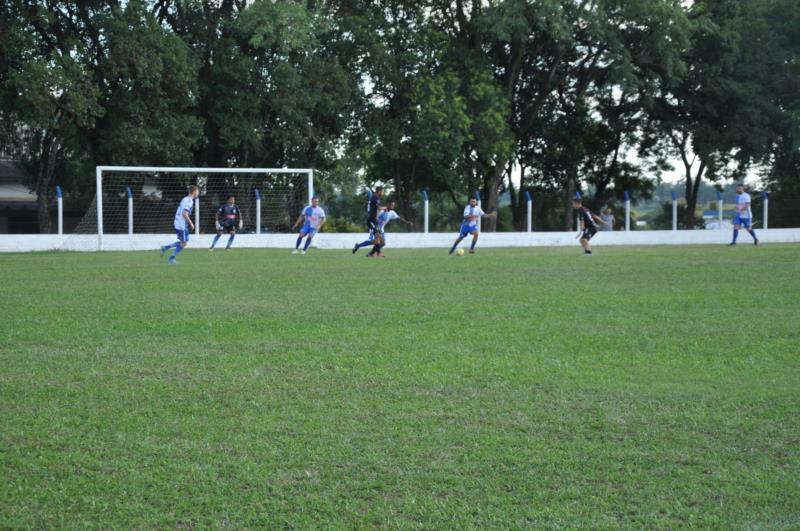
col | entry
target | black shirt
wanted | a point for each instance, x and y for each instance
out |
(586, 215)
(373, 206)
(227, 213)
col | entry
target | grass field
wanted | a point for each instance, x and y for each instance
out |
(649, 387)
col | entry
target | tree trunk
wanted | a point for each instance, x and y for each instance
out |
(692, 191)
(568, 216)
(491, 198)
(43, 175)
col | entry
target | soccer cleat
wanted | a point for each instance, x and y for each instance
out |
(472, 251)
(164, 249)
(370, 255)
(210, 249)
(172, 261)
(355, 248)
(227, 248)
(295, 251)
(731, 244)
(302, 252)
(755, 241)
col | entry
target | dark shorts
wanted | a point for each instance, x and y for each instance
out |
(372, 225)
(227, 227)
(588, 233)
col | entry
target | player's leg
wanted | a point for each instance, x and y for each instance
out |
(299, 241)
(216, 238)
(463, 232)
(750, 229)
(474, 241)
(737, 224)
(377, 244)
(230, 238)
(183, 236)
(309, 237)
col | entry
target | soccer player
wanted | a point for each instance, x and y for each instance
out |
(383, 219)
(225, 221)
(472, 213)
(743, 215)
(183, 223)
(374, 208)
(313, 218)
(588, 225)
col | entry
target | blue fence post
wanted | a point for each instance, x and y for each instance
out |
(627, 211)
(129, 193)
(425, 200)
(529, 200)
(720, 205)
(258, 210)
(60, 199)
(478, 197)
(674, 211)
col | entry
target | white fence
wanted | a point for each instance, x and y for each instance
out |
(150, 242)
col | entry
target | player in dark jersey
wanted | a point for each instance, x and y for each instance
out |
(374, 209)
(589, 222)
(228, 218)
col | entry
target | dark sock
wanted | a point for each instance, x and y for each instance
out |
(453, 248)
(230, 241)
(365, 243)
(472, 246)
(375, 249)
(753, 234)
(308, 242)
(216, 239)
(735, 235)
(177, 250)
(297, 245)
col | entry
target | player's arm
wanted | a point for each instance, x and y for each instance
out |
(188, 219)
(580, 230)
(216, 220)
(321, 223)
(490, 214)
(298, 222)
(600, 220)
(241, 217)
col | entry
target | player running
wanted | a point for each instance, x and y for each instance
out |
(183, 223)
(225, 221)
(313, 218)
(472, 213)
(743, 215)
(374, 209)
(383, 219)
(588, 225)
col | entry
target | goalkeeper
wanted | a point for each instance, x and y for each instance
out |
(228, 218)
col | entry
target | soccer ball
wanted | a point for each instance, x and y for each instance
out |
(460, 252)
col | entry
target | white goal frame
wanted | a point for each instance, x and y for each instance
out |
(99, 170)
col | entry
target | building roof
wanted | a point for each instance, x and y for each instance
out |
(12, 184)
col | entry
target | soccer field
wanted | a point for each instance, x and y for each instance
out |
(642, 387)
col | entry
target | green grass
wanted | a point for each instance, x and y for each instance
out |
(652, 387)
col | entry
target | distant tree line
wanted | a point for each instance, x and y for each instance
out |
(447, 96)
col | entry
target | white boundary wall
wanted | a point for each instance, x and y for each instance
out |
(11, 243)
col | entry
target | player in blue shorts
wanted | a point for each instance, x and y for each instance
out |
(472, 213)
(183, 224)
(744, 216)
(312, 218)
(227, 219)
(384, 218)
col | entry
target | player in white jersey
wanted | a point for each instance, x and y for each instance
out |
(312, 218)
(744, 215)
(384, 218)
(183, 224)
(472, 213)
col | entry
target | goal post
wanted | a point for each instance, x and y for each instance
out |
(156, 191)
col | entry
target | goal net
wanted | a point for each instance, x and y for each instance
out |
(142, 200)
